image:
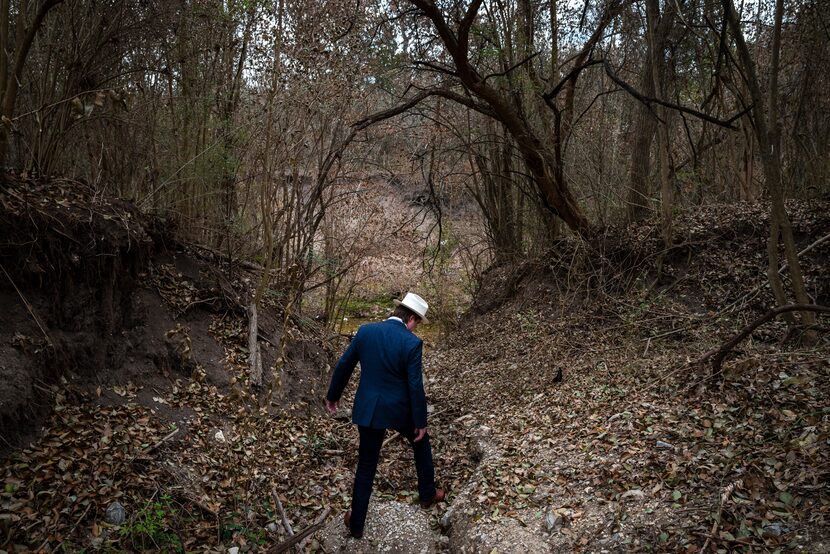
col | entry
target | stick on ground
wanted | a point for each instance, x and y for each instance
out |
(285, 545)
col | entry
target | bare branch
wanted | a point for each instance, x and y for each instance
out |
(511, 68)
(435, 67)
(465, 25)
(717, 355)
(648, 101)
(572, 74)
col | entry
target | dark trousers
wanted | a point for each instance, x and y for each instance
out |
(371, 441)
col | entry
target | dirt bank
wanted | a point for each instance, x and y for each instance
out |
(94, 294)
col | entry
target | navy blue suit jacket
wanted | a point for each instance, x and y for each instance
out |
(391, 390)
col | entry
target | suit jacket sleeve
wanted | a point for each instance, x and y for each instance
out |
(343, 370)
(417, 397)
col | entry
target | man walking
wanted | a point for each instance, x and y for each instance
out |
(390, 395)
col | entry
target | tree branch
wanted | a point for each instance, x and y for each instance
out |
(648, 101)
(718, 354)
(511, 68)
(435, 67)
(464, 27)
(572, 74)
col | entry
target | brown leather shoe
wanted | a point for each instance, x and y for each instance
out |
(439, 496)
(347, 519)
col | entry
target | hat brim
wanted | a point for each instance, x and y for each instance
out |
(399, 303)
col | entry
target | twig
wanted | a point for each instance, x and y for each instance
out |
(669, 374)
(285, 523)
(283, 546)
(723, 498)
(781, 271)
(77, 522)
(392, 437)
(80, 519)
(167, 437)
(28, 306)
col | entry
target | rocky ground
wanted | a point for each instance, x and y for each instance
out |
(564, 419)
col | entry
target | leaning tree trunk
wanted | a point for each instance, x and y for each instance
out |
(541, 159)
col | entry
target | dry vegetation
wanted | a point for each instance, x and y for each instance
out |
(592, 197)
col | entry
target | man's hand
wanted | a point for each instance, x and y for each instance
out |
(419, 434)
(331, 407)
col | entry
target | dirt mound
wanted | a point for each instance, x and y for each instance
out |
(70, 263)
(92, 293)
(718, 258)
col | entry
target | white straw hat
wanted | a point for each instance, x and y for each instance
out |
(416, 304)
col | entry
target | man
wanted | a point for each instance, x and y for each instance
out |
(390, 395)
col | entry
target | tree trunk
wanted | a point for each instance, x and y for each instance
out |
(646, 123)
(658, 30)
(767, 132)
(24, 37)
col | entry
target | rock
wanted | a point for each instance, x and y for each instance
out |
(636, 494)
(219, 436)
(664, 445)
(775, 529)
(272, 527)
(555, 521)
(233, 550)
(116, 514)
(390, 527)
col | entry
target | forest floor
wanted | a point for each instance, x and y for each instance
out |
(635, 448)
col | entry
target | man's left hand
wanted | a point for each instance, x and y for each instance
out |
(419, 434)
(331, 407)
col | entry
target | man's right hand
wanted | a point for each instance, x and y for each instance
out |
(331, 407)
(419, 434)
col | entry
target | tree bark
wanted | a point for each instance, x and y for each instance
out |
(658, 30)
(646, 123)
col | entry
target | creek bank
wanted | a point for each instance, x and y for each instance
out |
(608, 438)
(95, 294)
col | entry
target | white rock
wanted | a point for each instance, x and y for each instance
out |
(219, 436)
(233, 549)
(634, 493)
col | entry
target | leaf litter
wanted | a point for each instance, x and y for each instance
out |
(623, 454)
